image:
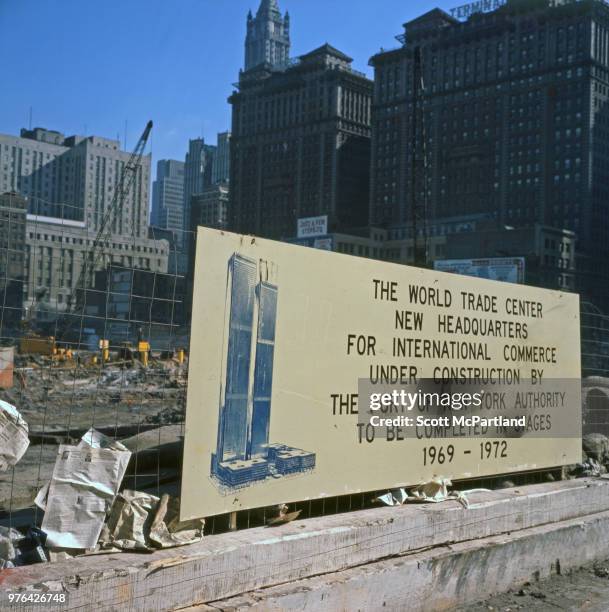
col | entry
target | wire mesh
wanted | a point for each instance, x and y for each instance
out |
(73, 315)
(70, 359)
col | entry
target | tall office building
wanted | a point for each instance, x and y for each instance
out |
(300, 145)
(268, 37)
(168, 196)
(69, 183)
(74, 178)
(221, 165)
(198, 169)
(168, 209)
(510, 121)
(210, 208)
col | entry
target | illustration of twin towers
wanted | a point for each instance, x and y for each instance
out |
(243, 453)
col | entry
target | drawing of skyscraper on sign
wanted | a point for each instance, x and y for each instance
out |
(243, 453)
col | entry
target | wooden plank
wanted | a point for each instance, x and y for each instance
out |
(225, 565)
(441, 578)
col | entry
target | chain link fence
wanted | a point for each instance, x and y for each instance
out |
(111, 353)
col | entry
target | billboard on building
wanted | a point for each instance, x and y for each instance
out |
(506, 269)
(284, 340)
(325, 243)
(309, 227)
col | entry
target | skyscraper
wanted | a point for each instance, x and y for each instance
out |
(221, 166)
(168, 208)
(70, 183)
(268, 37)
(198, 169)
(509, 122)
(74, 178)
(168, 196)
(300, 145)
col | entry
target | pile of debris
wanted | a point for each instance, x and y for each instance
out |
(85, 511)
(57, 396)
(595, 457)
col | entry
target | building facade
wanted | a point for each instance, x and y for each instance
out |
(168, 195)
(221, 166)
(74, 178)
(268, 37)
(167, 212)
(198, 169)
(13, 209)
(70, 184)
(57, 250)
(210, 208)
(509, 120)
(124, 300)
(549, 253)
(300, 145)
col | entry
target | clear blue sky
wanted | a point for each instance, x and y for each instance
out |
(92, 64)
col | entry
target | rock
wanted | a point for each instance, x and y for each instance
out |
(600, 570)
(155, 448)
(596, 446)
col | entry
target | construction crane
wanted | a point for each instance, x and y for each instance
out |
(93, 257)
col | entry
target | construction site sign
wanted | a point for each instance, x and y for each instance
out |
(315, 374)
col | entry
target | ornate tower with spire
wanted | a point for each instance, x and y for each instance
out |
(268, 37)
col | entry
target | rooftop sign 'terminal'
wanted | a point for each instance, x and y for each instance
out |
(482, 6)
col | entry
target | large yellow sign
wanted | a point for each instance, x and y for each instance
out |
(283, 338)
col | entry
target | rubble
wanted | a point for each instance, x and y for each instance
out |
(434, 491)
(63, 396)
(128, 525)
(596, 446)
(283, 516)
(9, 538)
(140, 521)
(17, 549)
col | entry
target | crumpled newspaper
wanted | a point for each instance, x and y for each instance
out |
(140, 521)
(434, 490)
(85, 481)
(14, 439)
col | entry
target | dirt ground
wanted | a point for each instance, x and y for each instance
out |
(61, 401)
(76, 396)
(586, 589)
